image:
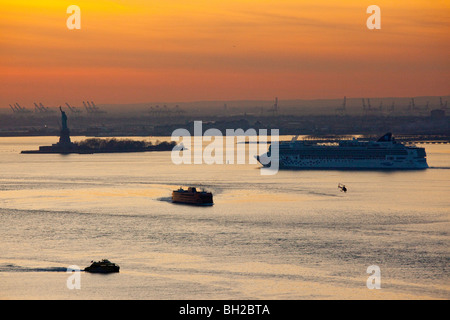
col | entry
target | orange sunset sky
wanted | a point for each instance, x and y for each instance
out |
(172, 50)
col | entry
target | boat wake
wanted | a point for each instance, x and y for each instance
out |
(165, 199)
(16, 268)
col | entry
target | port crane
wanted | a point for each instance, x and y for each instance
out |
(367, 109)
(274, 108)
(46, 108)
(73, 109)
(92, 108)
(40, 108)
(341, 111)
(17, 108)
(443, 106)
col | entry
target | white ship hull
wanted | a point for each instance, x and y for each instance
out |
(292, 163)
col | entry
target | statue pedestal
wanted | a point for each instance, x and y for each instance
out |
(64, 137)
(64, 143)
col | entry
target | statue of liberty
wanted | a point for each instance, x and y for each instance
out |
(64, 137)
(63, 119)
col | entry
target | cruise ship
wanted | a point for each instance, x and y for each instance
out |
(385, 153)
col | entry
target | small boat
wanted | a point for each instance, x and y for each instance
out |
(342, 187)
(192, 196)
(103, 266)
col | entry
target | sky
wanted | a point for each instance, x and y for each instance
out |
(138, 51)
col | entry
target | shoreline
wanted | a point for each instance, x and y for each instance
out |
(325, 138)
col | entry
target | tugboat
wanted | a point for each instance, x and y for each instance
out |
(192, 196)
(104, 266)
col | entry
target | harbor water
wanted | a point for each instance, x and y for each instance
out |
(292, 235)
